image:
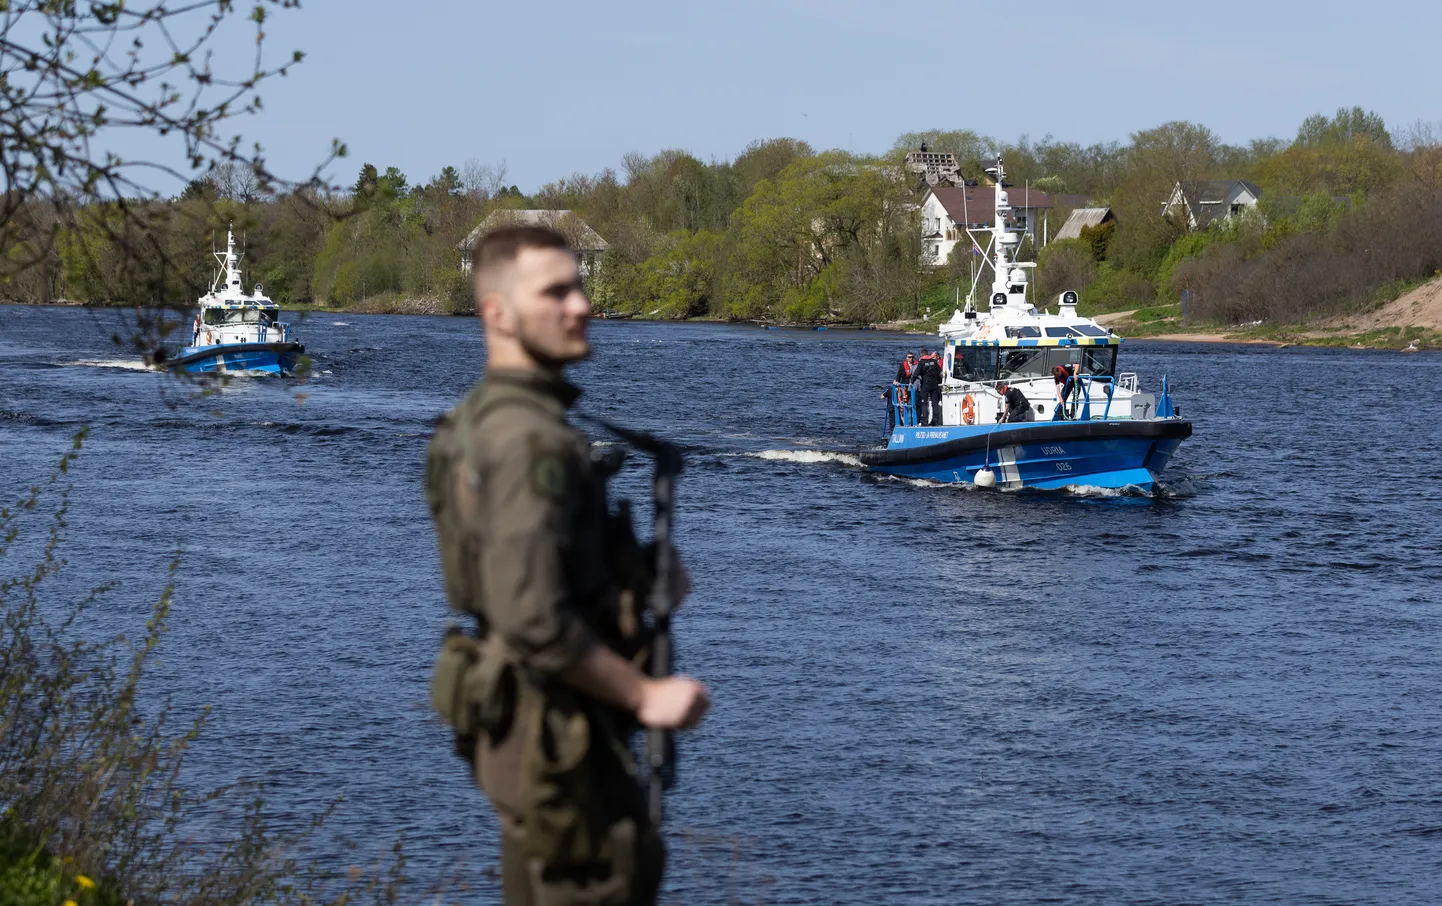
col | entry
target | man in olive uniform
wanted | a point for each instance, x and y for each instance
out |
(521, 520)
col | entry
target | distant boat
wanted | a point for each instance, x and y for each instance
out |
(1095, 428)
(236, 331)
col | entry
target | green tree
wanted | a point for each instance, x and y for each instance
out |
(679, 280)
(1317, 131)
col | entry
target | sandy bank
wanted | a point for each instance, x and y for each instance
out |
(1422, 307)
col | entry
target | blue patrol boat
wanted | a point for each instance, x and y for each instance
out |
(236, 331)
(1029, 398)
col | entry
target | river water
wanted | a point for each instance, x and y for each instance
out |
(1231, 693)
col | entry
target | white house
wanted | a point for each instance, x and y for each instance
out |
(587, 242)
(947, 212)
(1204, 202)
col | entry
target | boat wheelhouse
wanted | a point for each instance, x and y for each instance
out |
(236, 331)
(1029, 397)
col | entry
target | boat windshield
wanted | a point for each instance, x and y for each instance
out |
(217, 316)
(979, 363)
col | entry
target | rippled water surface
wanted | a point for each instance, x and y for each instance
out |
(923, 694)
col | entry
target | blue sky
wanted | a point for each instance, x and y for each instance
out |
(558, 87)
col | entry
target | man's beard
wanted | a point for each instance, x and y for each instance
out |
(545, 359)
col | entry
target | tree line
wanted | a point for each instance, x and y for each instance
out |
(783, 231)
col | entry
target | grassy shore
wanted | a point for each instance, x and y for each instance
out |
(1161, 322)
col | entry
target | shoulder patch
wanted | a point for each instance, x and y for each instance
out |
(548, 475)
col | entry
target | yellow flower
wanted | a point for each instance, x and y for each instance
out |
(84, 882)
(69, 903)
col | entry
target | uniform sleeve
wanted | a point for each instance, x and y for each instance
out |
(527, 488)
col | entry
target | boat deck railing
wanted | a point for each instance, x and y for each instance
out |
(901, 413)
(1076, 401)
(262, 334)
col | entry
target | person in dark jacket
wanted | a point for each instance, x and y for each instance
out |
(928, 393)
(905, 369)
(1018, 408)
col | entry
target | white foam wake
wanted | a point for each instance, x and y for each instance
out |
(124, 364)
(807, 456)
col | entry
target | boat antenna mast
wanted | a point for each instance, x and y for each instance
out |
(1001, 238)
(1007, 272)
(229, 263)
(220, 274)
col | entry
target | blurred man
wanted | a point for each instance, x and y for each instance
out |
(546, 694)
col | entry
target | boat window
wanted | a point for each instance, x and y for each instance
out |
(1060, 332)
(1101, 360)
(1090, 330)
(1023, 333)
(1096, 360)
(974, 363)
(240, 316)
(1023, 363)
(1065, 356)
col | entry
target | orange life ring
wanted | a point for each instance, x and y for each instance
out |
(968, 410)
(209, 338)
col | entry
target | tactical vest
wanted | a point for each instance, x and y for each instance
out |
(566, 771)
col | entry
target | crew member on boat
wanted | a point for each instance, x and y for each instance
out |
(1064, 377)
(1018, 408)
(905, 374)
(928, 395)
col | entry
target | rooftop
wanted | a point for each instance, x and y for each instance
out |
(1080, 219)
(977, 204)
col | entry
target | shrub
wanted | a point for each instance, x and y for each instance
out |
(1319, 273)
(90, 780)
(1115, 289)
(1098, 238)
(1063, 265)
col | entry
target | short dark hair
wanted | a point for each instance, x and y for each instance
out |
(502, 246)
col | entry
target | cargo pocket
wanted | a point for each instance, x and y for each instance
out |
(459, 652)
(560, 803)
(473, 689)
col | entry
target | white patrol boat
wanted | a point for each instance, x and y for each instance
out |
(1029, 398)
(235, 330)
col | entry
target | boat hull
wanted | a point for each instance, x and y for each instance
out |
(247, 358)
(1043, 455)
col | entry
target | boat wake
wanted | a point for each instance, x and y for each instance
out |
(122, 364)
(806, 456)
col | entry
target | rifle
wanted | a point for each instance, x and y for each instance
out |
(660, 744)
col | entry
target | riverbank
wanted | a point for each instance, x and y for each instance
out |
(1412, 322)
